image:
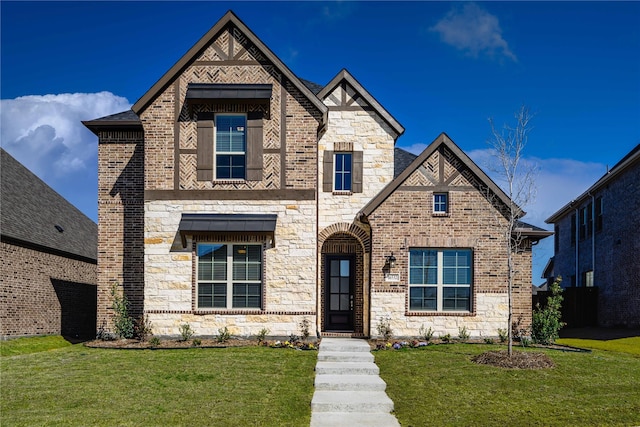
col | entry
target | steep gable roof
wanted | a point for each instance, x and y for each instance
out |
(442, 139)
(33, 214)
(345, 76)
(631, 158)
(203, 43)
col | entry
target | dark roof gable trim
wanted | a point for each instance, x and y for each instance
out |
(346, 76)
(442, 139)
(191, 224)
(203, 43)
(209, 91)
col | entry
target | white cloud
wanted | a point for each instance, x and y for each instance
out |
(45, 133)
(473, 30)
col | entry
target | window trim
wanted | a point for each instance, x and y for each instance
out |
(229, 282)
(229, 153)
(440, 285)
(343, 172)
(446, 204)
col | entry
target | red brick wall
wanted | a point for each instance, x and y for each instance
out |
(45, 294)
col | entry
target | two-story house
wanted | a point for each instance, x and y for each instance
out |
(236, 194)
(597, 241)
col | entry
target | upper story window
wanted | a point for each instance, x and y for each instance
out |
(573, 230)
(230, 146)
(440, 203)
(599, 213)
(229, 275)
(343, 167)
(440, 279)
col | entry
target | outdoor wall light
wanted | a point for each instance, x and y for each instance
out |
(390, 261)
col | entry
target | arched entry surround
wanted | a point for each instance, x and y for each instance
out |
(345, 242)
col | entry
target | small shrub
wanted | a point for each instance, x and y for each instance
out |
(293, 338)
(185, 332)
(384, 328)
(196, 342)
(502, 334)
(463, 334)
(262, 335)
(305, 324)
(104, 335)
(223, 335)
(488, 341)
(154, 342)
(445, 338)
(142, 328)
(122, 322)
(426, 334)
(525, 341)
(546, 324)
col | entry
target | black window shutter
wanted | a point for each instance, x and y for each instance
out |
(204, 166)
(356, 184)
(327, 172)
(254, 146)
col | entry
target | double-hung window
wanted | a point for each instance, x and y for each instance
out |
(440, 279)
(230, 146)
(229, 275)
(342, 172)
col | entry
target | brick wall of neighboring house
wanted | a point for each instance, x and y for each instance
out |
(616, 272)
(120, 221)
(405, 221)
(45, 294)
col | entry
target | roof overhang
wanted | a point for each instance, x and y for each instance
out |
(206, 92)
(212, 224)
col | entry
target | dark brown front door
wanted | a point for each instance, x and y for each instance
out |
(339, 292)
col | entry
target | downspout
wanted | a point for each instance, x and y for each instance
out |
(593, 239)
(577, 225)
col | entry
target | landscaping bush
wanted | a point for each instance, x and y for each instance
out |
(546, 323)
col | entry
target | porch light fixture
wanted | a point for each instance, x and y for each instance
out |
(390, 261)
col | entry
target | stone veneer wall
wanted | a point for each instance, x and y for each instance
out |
(45, 294)
(405, 221)
(120, 221)
(289, 292)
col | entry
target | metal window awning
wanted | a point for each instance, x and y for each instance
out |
(250, 224)
(200, 92)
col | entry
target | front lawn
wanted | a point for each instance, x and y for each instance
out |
(250, 386)
(439, 385)
(629, 345)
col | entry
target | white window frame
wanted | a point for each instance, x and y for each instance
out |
(229, 277)
(228, 153)
(440, 285)
(335, 169)
(446, 204)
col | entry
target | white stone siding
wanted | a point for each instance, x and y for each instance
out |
(290, 268)
(492, 311)
(371, 135)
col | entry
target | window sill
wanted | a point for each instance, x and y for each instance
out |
(228, 311)
(440, 214)
(229, 181)
(439, 313)
(342, 193)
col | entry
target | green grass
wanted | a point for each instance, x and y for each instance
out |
(624, 345)
(19, 346)
(439, 385)
(251, 386)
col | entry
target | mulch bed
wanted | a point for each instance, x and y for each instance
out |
(518, 360)
(169, 344)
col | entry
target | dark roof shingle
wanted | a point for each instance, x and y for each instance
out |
(31, 211)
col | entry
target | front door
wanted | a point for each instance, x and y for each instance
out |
(339, 292)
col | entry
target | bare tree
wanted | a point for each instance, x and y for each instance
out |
(518, 182)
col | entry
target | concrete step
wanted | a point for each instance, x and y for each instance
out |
(344, 356)
(347, 368)
(350, 383)
(353, 419)
(351, 401)
(344, 344)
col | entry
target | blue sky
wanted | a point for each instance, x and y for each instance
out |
(436, 66)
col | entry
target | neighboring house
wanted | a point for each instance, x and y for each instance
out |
(236, 194)
(597, 242)
(48, 259)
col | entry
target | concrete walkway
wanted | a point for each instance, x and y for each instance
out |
(348, 388)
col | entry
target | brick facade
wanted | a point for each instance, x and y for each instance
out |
(44, 294)
(610, 251)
